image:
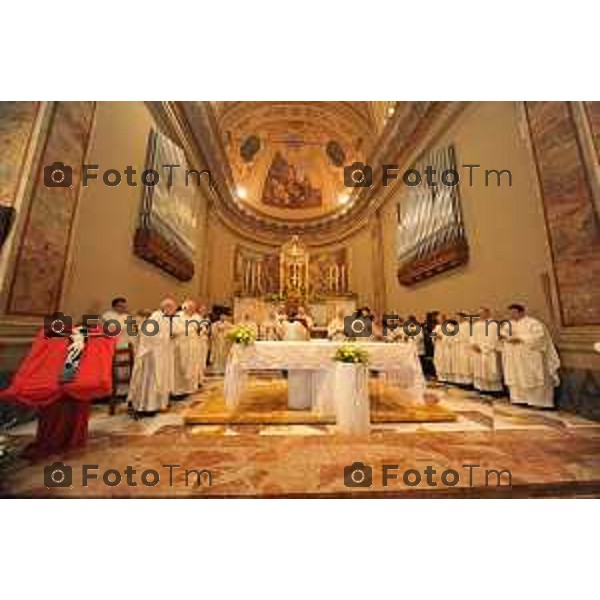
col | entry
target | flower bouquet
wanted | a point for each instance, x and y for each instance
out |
(242, 334)
(351, 353)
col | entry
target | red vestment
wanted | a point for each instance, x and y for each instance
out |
(63, 407)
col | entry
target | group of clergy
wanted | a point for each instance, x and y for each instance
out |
(280, 325)
(485, 353)
(170, 356)
(171, 362)
(489, 354)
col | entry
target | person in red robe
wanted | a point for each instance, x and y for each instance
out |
(58, 379)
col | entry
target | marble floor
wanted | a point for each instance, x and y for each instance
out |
(541, 453)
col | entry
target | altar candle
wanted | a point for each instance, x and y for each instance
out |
(258, 277)
(247, 277)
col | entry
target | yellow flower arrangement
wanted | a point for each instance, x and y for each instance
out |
(351, 353)
(241, 334)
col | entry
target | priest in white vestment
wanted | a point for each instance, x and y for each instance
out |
(269, 328)
(295, 329)
(462, 353)
(529, 359)
(487, 371)
(280, 319)
(303, 316)
(416, 335)
(188, 349)
(396, 332)
(140, 316)
(118, 312)
(335, 328)
(442, 354)
(153, 371)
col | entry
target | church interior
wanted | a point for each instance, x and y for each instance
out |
(277, 226)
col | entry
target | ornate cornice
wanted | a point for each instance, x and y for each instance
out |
(578, 339)
(19, 332)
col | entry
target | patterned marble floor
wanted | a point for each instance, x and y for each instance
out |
(547, 453)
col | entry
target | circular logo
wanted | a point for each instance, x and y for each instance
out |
(58, 479)
(358, 476)
(57, 179)
(59, 329)
(359, 329)
(358, 178)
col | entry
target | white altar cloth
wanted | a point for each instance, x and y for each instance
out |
(311, 373)
(352, 410)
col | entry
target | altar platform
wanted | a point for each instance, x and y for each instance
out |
(264, 402)
(319, 384)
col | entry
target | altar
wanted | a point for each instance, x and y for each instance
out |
(312, 383)
(292, 277)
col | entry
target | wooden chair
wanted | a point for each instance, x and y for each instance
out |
(122, 369)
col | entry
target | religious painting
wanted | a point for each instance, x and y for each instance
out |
(249, 148)
(565, 139)
(286, 186)
(431, 237)
(38, 274)
(16, 126)
(336, 154)
(328, 274)
(166, 235)
(255, 272)
(7, 217)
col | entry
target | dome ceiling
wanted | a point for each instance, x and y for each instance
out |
(278, 167)
(287, 158)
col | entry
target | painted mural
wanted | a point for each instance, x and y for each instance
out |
(561, 132)
(286, 186)
(42, 256)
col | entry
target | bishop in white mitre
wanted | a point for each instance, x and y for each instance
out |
(529, 359)
(152, 380)
(487, 370)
